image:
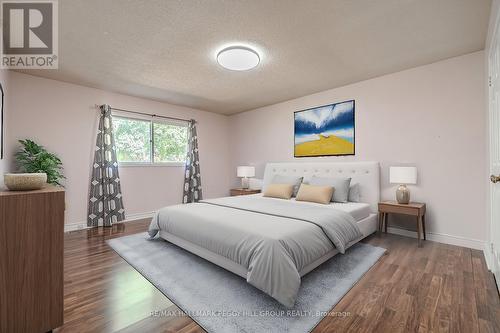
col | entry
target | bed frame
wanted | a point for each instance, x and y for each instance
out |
(366, 174)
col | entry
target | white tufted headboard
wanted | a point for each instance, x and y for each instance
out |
(366, 174)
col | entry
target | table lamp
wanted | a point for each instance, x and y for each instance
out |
(244, 172)
(403, 176)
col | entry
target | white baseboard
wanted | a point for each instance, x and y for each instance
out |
(488, 255)
(442, 238)
(128, 218)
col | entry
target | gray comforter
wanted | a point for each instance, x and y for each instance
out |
(274, 239)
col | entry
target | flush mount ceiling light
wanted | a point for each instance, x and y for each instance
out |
(238, 58)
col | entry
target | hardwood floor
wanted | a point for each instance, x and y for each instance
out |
(437, 288)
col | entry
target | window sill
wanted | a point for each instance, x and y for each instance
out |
(148, 165)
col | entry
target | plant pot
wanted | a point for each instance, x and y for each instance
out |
(25, 181)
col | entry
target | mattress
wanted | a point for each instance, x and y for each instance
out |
(367, 226)
(358, 210)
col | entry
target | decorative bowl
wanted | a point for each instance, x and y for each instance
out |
(25, 181)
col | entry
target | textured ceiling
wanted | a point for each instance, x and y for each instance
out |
(165, 50)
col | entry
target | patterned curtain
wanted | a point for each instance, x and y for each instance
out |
(192, 174)
(105, 197)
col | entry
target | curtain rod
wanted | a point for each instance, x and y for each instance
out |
(148, 114)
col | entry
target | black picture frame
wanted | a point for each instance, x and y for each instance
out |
(353, 127)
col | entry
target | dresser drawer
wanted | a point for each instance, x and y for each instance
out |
(408, 210)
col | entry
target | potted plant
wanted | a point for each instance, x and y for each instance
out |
(37, 167)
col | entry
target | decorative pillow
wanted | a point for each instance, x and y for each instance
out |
(354, 193)
(312, 193)
(295, 181)
(255, 183)
(280, 191)
(341, 186)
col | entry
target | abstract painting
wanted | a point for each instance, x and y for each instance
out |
(325, 130)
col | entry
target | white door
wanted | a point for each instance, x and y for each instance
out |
(494, 119)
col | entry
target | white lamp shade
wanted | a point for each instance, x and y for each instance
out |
(403, 175)
(245, 171)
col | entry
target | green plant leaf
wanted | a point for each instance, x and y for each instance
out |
(34, 158)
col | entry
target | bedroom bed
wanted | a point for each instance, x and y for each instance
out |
(272, 242)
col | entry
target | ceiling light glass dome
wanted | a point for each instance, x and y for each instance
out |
(238, 58)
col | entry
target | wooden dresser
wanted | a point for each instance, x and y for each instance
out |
(31, 260)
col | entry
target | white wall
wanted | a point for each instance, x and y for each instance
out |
(62, 117)
(431, 117)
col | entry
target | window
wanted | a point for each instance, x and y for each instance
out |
(132, 140)
(147, 142)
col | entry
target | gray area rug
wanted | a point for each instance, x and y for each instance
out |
(221, 301)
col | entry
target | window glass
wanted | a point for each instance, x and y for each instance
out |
(149, 142)
(170, 142)
(132, 139)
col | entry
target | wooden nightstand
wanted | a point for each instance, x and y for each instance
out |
(416, 209)
(242, 191)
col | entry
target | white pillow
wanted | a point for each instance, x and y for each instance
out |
(341, 186)
(295, 181)
(354, 193)
(255, 183)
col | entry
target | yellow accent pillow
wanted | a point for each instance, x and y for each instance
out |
(313, 193)
(280, 191)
